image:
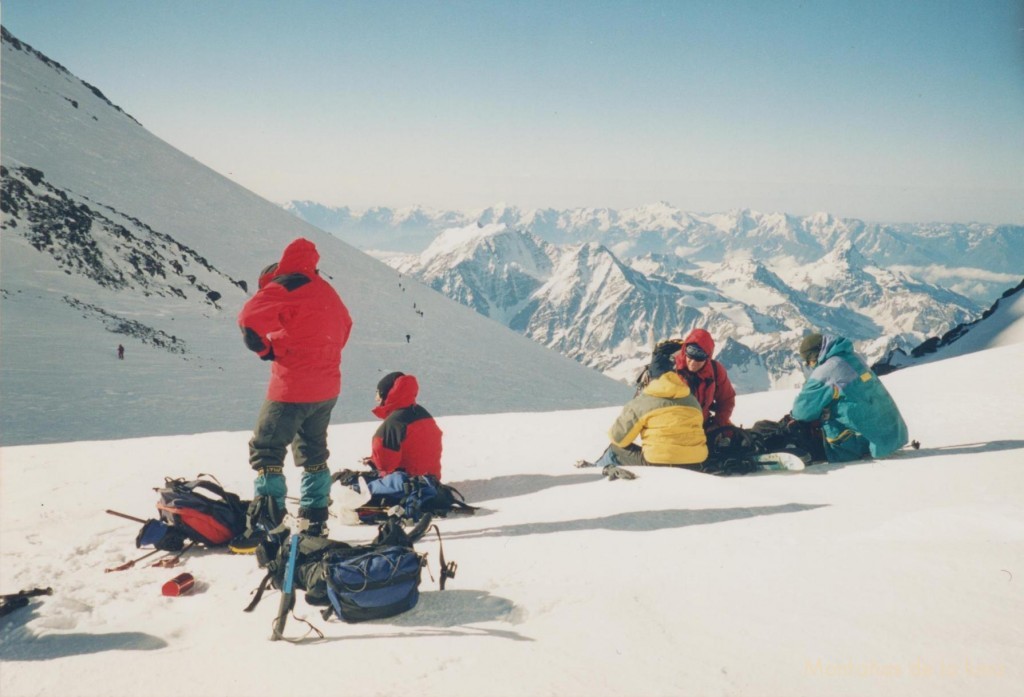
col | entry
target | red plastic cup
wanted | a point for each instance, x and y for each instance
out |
(179, 585)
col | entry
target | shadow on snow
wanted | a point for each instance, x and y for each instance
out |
(961, 449)
(516, 485)
(994, 446)
(636, 521)
(443, 614)
(18, 643)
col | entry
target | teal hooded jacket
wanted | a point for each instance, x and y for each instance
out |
(859, 417)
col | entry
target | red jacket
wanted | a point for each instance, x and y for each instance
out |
(710, 385)
(297, 320)
(409, 439)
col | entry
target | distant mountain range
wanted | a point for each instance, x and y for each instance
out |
(599, 285)
(976, 260)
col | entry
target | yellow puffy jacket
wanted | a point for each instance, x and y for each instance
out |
(669, 421)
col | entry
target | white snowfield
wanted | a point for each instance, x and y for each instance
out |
(903, 576)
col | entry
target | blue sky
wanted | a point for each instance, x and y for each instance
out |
(892, 111)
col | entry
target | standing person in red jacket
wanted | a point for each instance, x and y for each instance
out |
(409, 439)
(708, 380)
(297, 322)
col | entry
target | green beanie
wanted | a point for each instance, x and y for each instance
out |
(810, 347)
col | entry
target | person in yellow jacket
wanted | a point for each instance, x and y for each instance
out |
(668, 420)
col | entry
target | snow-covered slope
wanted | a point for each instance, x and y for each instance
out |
(888, 578)
(1000, 325)
(112, 236)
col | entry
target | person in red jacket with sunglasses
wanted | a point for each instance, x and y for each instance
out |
(297, 321)
(708, 380)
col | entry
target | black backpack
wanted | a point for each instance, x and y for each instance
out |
(730, 449)
(790, 434)
(199, 510)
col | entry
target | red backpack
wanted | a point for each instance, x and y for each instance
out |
(212, 518)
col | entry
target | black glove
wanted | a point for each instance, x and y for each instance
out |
(346, 477)
(351, 477)
(614, 472)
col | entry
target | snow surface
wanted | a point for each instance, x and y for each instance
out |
(893, 577)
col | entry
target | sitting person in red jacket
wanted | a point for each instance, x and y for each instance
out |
(707, 378)
(409, 439)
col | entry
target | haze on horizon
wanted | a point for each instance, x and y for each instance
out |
(890, 111)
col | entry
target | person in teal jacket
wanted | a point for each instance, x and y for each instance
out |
(858, 416)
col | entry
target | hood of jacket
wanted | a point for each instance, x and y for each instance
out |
(670, 385)
(834, 346)
(300, 256)
(403, 394)
(702, 339)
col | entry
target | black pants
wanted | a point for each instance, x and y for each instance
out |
(303, 426)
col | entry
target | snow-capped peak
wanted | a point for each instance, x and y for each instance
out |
(454, 240)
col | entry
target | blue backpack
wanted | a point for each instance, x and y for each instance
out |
(414, 497)
(369, 584)
(358, 583)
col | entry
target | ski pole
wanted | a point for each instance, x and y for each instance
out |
(287, 591)
(125, 515)
(133, 562)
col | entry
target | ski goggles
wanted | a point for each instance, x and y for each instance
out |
(695, 352)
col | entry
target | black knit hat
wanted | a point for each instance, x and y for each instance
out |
(266, 275)
(386, 383)
(810, 347)
(663, 358)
